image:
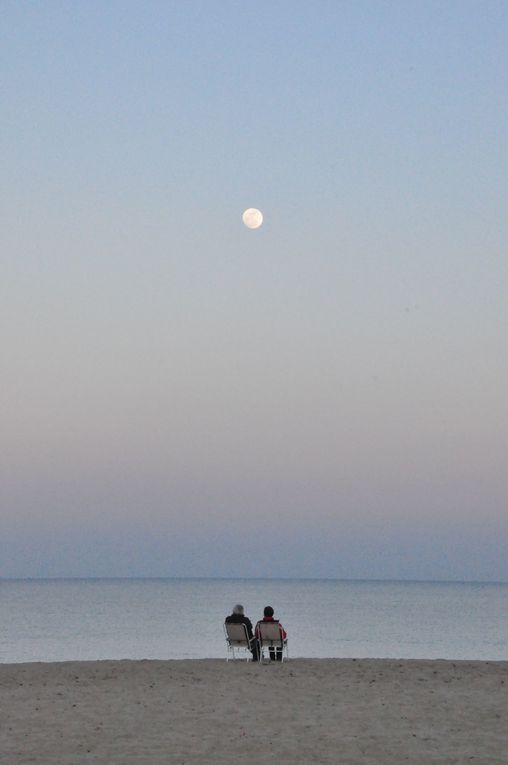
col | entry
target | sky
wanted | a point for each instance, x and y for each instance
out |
(322, 397)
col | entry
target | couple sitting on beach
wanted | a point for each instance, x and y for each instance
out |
(238, 617)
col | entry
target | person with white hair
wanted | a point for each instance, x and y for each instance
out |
(238, 617)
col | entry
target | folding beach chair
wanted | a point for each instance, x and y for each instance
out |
(237, 639)
(269, 637)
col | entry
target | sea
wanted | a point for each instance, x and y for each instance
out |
(90, 619)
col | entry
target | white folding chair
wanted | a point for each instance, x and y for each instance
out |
(237, 639)
(269, 637)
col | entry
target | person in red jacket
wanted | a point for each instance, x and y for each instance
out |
(275, 651)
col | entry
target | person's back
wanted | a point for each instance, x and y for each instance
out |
(238, 617)
(275, 651)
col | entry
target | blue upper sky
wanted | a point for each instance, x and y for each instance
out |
(325, 396)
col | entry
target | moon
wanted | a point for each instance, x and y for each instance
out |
(252, 217)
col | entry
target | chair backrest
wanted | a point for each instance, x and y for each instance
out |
(237, 634)
(269, 632)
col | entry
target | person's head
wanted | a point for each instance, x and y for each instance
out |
(238, 609)
(268, 611)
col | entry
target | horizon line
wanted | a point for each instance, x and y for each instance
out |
(245, 578)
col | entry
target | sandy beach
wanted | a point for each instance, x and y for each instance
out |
(379, 712)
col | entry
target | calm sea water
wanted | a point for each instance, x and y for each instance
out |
(60, 620)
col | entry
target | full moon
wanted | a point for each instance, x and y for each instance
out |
(252, 218)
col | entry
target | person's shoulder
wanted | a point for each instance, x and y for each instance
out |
(228, 619)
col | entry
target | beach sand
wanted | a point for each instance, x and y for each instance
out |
(368, 711)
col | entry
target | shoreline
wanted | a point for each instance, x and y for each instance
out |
(197, 711)
(222, 660)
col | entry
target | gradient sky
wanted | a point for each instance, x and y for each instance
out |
(323, 397)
